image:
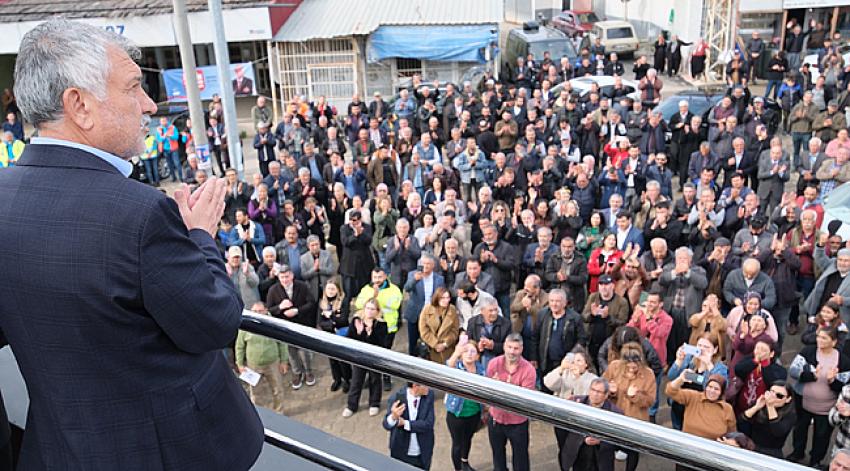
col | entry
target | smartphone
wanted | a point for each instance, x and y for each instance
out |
(694, 377)
(692, 350)
(464, 339)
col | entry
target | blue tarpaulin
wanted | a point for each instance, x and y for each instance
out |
(434, 43)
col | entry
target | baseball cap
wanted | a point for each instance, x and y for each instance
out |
(234, 252)
(605, 280)
(722, 242)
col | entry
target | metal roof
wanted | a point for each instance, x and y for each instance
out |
(324, 19)
(12, 11)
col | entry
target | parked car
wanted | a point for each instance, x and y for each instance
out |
(617, 36)
(573, 22)
(699, 104)
(536, 39)
(176, 114)
(581, 85)
(836, 206)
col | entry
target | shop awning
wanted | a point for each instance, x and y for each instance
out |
(434, 43)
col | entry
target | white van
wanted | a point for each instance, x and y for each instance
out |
(616, 36)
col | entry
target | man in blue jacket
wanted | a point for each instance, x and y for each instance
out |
(119, 328)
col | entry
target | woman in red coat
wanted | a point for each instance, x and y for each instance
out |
(606, 259)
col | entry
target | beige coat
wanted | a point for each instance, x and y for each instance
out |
(437, 326)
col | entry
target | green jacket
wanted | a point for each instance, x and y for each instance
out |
(257, 350)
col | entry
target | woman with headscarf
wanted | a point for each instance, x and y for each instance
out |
(706, 415)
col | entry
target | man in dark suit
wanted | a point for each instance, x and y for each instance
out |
(5, 433)
(421, 285)
(119, 328)
(410, 421)
(676, 125)
(773, 172)
(242, 85)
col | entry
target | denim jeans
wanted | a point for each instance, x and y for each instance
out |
(172, 158)
(152, 170)
(800, 140)
(772, 86)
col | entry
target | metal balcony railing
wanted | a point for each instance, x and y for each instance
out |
(638, 435)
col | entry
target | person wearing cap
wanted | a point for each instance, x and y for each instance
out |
(243, 276)
(377, 108)
(356, 262)
(603, 313)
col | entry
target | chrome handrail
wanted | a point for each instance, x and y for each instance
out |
(635, 434)
(309, 453)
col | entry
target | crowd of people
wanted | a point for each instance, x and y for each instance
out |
(579, 245)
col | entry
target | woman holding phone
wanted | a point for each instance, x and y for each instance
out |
(571, 378)
(703, 358)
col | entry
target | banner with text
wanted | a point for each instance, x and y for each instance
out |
(243, 82)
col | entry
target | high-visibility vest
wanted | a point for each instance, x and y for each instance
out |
(151, 151)
(17, 150)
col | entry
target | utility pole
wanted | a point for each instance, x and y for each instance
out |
(222, 62)
(190, 76)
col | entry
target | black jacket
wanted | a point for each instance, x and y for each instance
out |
(573, 334)
(502, 269)
(501, 330)
(5, 434)
(575, 442)
(576, 280)
(302, 299)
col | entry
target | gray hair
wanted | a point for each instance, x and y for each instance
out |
(603, 382)
(845, 252)
(514, 337)
(685, 250)
(61, 54)
(269, 249)
(653, 184)
(303, 171)
(558, 292)
(313, 238)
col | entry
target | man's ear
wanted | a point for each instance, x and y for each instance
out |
(77, 108)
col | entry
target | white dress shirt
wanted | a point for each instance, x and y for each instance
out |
(412, 412)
